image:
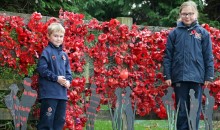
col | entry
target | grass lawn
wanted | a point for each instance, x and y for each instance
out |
(139, 125)
(144, 125)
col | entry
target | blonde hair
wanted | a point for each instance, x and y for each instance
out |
(55, 27)
(191, 4)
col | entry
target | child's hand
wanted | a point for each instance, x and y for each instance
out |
(207, 83)
(61, 80)
(67, 84)
(168, 82)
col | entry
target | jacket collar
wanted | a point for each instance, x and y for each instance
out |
(180, 24)
(60, 48)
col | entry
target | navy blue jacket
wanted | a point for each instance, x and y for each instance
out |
(188, 55)
(53, 62)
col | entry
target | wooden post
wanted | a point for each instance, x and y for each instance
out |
(87, 72)
(129, 22)
(126, 20)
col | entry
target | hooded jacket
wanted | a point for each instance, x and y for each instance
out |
(53, 63)
(188, 55)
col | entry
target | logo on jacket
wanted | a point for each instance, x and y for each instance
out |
(63, 57)
(54, 57)
(196, 34)
(49, 111)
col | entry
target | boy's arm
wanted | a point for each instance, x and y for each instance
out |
(42, 69)
(68, 75)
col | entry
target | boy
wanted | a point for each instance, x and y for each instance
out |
(54, 80)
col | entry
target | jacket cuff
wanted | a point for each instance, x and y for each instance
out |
(166, 77)
(209, 79)
(55, 78)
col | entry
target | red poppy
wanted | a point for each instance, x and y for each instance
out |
(124, 74)
(193, 32)
(54, 57)
(102, 38)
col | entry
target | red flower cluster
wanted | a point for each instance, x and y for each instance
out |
(215, 86)
(124, 57)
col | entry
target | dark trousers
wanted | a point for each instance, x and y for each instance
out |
(182, 97)
(52, 114)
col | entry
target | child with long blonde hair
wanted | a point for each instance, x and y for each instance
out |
(188, 62)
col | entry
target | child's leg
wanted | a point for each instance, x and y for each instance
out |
(60, 114)
(198, 95)
(182, 97)
(47, 111)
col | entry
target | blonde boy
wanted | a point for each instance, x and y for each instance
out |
(54, 79)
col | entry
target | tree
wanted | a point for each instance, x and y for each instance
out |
(212, 9)
(145, 12)
(45, 7)
(148, 12)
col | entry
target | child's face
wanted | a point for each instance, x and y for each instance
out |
(56, 38)
(188, 15)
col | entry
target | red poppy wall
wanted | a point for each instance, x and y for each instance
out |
(120, 57)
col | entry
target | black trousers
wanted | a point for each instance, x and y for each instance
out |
(52, 114)
(182, 91)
